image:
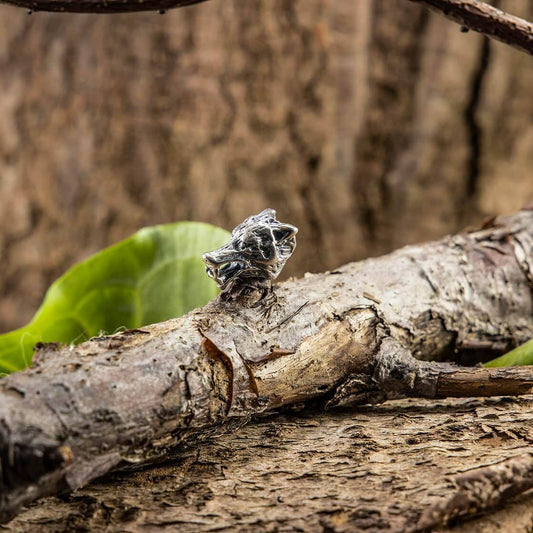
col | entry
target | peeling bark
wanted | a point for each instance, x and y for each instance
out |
(346, 336)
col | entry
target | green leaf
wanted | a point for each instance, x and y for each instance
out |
(520, 356)
(154, 275)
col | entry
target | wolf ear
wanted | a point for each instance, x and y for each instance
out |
(267, 213)
(283, 232)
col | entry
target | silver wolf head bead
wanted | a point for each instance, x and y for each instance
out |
(253, 258)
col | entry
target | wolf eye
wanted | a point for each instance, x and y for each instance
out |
(248, 242)
(281, 234)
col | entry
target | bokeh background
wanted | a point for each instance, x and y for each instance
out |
(369, 124)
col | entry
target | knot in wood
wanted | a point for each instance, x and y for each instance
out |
(253, 258)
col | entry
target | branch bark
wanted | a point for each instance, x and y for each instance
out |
(472, 14)
(341, 337)
(488, 20)
(100, 6)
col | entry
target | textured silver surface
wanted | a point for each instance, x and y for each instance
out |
(254, 257)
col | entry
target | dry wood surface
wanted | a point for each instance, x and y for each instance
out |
(379, 468)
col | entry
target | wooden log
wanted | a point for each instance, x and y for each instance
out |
(346, 336)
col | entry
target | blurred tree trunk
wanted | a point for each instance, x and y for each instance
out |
(368, 124)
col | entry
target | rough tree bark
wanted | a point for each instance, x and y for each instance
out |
(346, 336)
(372, 122)
(379, 468)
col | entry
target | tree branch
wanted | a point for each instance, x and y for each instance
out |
(488, 20)
(398, 374)
(339, 337)
(100, 6)
(472, 14)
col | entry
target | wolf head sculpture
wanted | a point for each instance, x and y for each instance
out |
(254, 257)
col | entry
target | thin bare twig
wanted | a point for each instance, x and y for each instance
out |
(472, 14)
(100, 6)
(488, 20)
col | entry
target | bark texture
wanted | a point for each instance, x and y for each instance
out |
(484, 18)
(378, 468)
(341, 337)
(482, 488)
(368, 124)
(101, 6)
